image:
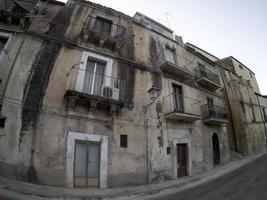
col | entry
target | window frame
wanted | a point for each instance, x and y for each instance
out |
(173, 54)
(124, 141)
(9, 37)
(103, 21)
(83, 64)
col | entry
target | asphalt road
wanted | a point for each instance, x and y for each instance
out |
(246, 183)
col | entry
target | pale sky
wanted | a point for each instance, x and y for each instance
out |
(221, 27)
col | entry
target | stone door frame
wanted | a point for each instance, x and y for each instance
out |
(76, 136)
(189, 152)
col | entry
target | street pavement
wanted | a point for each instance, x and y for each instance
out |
(240, 179)
(246, 183)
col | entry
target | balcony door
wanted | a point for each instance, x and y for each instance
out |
(211, 107)
(94, 77)
(103, 26)
(178, 98)
(202, 70)
(170, 55)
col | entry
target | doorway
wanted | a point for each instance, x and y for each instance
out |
(216, 149)
(182, 160)
(87, 164)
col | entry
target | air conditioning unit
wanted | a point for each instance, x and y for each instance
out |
(110, 93)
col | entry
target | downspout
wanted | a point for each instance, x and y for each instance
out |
(229, 107)
(148, 165)
(263, 120)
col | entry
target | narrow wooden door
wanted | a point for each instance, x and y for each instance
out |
(87, 163)
(182, 157)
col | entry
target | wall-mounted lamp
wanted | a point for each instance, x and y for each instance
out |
(153, 93)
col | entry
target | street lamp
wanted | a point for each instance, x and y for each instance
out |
(153, 93)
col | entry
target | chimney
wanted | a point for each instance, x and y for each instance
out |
(179, 39)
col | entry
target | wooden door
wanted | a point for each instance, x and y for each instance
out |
(87, 164)
(182, 160)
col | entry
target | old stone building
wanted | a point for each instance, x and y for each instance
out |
(91, 97)
(246, 107)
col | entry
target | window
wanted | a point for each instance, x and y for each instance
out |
(124, 141)
(95, 71)
(178, 98)
(240, 66)
(102, 25)
(251, 75)
(3, 42)
(168, 150)
(209, 101)
(211, 108)
(94, 77)
(2, 121)
(264, 115)
(170, 55)
(202, 69)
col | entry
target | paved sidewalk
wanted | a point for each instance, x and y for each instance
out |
(12, 189)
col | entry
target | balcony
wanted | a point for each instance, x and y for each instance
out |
(96, 89)
(177, 71)
(103, 32)
(206, 78)
(214, 114)
(181, 108)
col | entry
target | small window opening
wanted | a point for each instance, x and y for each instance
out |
(240, 66)
(264, 115)
(124, 141)
(251, 75)
(2, 121)
(168, 150)
(3, 42)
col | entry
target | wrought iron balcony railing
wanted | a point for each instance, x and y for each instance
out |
(181, 107)
(106, 28)
(215, 112)
(92, 84)
(205, 73)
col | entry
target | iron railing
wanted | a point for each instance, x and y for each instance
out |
(176, 103)
(212, 111)
(95, 84)
(106, 28)
(200, 71)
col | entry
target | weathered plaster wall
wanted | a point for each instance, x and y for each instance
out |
(15, 149)
(248, 132)
(246, 74)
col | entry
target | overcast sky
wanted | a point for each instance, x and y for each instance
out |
(221, 27)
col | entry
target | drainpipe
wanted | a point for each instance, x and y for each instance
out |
(145, 109)
(228, 102)
(263, 120)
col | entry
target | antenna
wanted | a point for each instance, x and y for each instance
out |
(168, 14)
